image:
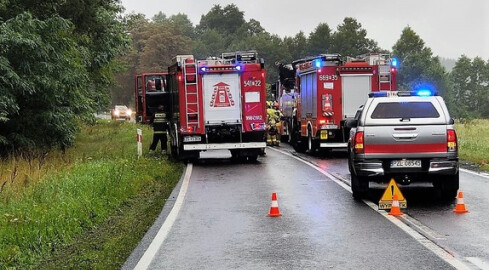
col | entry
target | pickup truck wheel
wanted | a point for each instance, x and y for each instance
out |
(449, 186)
(359, 186)
(252, 158)
(350, 166)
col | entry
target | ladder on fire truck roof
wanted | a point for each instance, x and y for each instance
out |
(332, 57)
(382, 60)
(240, 57)
(192, 107)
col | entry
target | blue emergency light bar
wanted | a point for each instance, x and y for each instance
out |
(318, 63)
(419, 93)
(219, 69)
(394, 62)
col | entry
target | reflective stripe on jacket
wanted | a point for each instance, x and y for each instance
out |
(159, 122)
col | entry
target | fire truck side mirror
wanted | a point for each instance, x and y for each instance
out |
(158, 84)
(351, 123)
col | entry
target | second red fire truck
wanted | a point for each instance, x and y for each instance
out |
(327, 92)
(217, 103)
(149, 92)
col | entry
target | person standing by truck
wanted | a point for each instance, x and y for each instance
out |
(160, 129)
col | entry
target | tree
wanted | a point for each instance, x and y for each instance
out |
(470, 79)
(296, 45)
(154, 44)
(210, 43)
(319, 40)
(43, 86)
(60, 80)
(350, 39)
(418, 66)
(224, 20)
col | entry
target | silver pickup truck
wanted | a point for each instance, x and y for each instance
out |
(408, 136)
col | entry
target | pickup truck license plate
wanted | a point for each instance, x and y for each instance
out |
(406, 163)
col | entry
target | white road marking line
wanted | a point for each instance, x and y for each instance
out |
(475, 173)
(423, 240)
(478, 262)
(160, 237)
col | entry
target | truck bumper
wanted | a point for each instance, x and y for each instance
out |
(333, 145)
(217, 146)
(376, 168)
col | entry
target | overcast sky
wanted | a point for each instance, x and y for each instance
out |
(449, 27)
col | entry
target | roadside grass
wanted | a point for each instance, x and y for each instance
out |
(473, 137)
(86, 208)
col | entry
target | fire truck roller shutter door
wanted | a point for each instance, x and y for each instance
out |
(355, 92)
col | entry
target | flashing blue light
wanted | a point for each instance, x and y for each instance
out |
(394, 62)
(318, 63)
(203, 69)
(378, 94)
(238, 68)
(424, 93)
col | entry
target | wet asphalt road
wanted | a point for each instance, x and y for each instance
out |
(465, 236)
(223, 224)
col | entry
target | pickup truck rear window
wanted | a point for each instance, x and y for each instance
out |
(389, 110)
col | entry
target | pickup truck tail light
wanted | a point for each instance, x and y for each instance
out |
(451, 141)
(358, 143)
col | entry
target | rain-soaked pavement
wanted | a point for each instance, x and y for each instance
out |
(223, 221)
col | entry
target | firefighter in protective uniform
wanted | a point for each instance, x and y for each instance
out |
(272, 120)
(160, 129)
(279, 117)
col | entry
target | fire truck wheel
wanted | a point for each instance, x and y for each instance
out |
(299, 146)
(359, 186)
(310, 145)
(173, 151)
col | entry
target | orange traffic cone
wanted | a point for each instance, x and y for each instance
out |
(274, 212)
(395, 209)
(460, 207)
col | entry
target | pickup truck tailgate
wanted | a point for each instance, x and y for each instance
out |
(408, 141)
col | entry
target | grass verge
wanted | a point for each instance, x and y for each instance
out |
(473, 137)
(89, 207)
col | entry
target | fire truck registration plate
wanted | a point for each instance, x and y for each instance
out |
(406, 163)
(192, 139)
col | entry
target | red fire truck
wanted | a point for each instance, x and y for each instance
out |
(150, 91)
(329, 91)
(218, 103)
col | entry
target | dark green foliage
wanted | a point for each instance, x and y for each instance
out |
(43, 86)
(418, 65)
(470, 95)
(224, 29)
(320, 40)
(57, 62)
(225, 20)
(350, 39)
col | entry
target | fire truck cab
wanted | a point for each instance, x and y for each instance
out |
(217, 103)
(329, 91)
(150, 91)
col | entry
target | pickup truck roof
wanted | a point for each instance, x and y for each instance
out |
(404, 108)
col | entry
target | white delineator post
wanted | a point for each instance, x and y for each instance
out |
(140, 142)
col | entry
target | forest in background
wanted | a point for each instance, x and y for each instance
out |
(63, 60)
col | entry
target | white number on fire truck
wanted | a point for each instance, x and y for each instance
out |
(328, 77)
(252, 83)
